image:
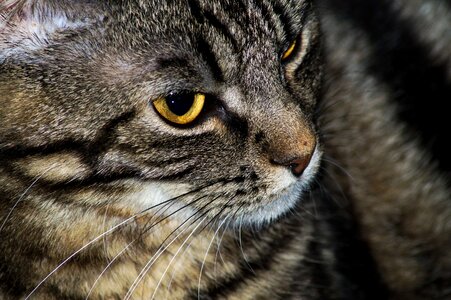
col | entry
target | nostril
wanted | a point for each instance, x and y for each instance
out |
(297, 165)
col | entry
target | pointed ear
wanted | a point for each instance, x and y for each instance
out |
(30, 24)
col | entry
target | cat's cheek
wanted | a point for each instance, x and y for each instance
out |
(165, 197)
(53, 168)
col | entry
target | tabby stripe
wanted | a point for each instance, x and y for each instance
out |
(207, 54)
(236, 124)
(224, 30)
(163, 142)
(419, 82)
(180, 174)
(21, 151)
(125, 173)
(284, 19)
(203, 17)
(107, 136)
(96, 179)
(267, 15)
(89, 150)
(250, 269)
(264, 12)
(173, 62)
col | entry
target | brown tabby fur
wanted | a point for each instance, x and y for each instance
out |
(78, 146)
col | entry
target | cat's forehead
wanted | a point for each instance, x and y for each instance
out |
(235, 17)
(169, 6)
(227, 31)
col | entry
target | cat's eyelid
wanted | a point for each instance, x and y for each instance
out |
(173, 92)
(288, 53)
(292, 49)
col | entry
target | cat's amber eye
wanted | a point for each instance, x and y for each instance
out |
(289, 52)
(181, 108)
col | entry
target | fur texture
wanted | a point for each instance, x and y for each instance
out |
(102, 198)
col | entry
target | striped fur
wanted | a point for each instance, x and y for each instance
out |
(101, 198)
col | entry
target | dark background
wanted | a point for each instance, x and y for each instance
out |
(418, 80)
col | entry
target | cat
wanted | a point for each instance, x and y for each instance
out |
(214, 150)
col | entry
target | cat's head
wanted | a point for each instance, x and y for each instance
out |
(134, 103)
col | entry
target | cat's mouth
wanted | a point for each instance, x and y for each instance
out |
(282, 200)
(231, 200)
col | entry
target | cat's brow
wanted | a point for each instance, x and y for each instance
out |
(209, 19)
(172, 62)
(210, 58)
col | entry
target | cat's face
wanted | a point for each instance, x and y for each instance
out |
(143, 102)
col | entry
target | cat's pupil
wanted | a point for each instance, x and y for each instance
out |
(180, 104)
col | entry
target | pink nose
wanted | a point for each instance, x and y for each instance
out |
(297, 165)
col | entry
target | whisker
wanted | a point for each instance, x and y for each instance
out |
(171, 214)
(160, 251)
(107, 267)
(25, 193)
(170, 262)
(109, 263)
(304, 209)
(183, 253)
(218, 250)
(109, 231)
(338, 186)
(332, 162)
(241, 245)
(220, 211)
(324, 108)
(132, 242)
(104, 228)
(206, 254)
(189, 245)
(313, 197)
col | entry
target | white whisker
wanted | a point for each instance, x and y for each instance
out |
(241, 245)
(111, 230)
(105, 248)
(170, 262)
(24, 193)
(206, 254)
(218, 249)
(154, 258)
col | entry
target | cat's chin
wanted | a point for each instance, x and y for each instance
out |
(281, 202)
(276, 207)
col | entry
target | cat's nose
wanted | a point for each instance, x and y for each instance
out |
(297, 164)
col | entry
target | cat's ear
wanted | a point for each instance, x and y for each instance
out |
(30, 24)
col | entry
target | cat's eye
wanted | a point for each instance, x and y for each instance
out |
(289, 52)
(180, 108)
